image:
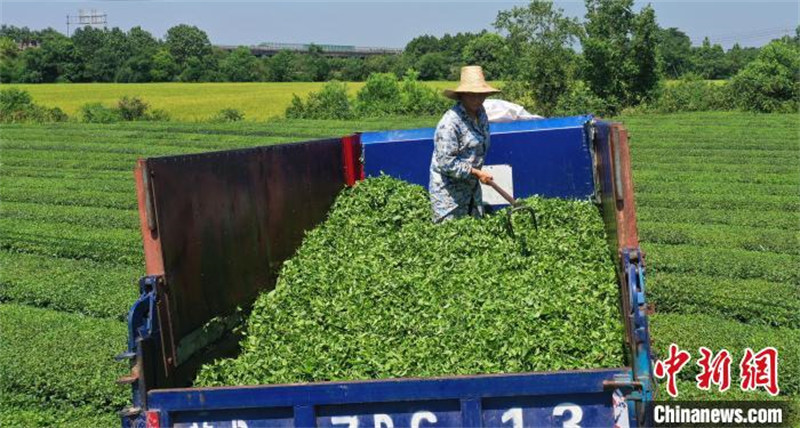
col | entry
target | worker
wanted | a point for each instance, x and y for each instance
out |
(460, 144)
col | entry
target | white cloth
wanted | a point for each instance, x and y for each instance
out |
(504, 111)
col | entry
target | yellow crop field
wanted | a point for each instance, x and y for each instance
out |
(187, 101)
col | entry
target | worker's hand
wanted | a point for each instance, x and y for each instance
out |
(482, 175)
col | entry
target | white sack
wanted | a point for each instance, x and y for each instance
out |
(504, 111)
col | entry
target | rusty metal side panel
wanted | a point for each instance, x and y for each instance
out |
(615, 185)
(605, 185)
(627, 233)
(227, 220)
(152, 245)
(613, 164)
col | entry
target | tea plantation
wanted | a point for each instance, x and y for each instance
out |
(718, 200)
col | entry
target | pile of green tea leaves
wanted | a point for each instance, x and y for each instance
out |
(379, 291)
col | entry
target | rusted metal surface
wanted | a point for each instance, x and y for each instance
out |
(152, 246)
(613, 164)
(225, 221)
(603, 164)
(627, 234)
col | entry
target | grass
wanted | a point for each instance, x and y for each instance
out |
(187, 101)
(718, 222)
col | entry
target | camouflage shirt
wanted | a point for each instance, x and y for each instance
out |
(459, 144)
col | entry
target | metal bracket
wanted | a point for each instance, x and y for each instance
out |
(142, 327)
(637, 315)
(591, 135)
(150, 211)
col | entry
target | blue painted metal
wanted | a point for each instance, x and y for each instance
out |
(518, 126)
(548, 157)
(142, 326)
(451, 401)
(642, 354)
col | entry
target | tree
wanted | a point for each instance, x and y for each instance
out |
(164, 68)
(281, 66)
(315, 64)
(193, 71)
(11, 67)
(541, 63)
(453, 46)
(53, 61)
(187, 41)
(738, 57)
(614, 69)
(141, 42)
(432, 66)
(110, 57)
(675, 51)
(354, 70)
(346, 69)
(770, 83)
(88, 41)
(240, 65)
(709, 61)
(203, 69)
(490, 52)
(421, 45)
(644, 48)
(17, 34)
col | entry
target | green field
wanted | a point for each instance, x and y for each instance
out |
(718, 208)
(187, 101)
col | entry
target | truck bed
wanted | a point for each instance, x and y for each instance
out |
(217, 226)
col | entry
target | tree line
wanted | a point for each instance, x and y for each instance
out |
(612, 59)
(186, 54)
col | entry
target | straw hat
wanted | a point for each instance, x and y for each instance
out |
(472, 81)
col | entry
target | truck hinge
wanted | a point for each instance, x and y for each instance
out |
(130, 411)
(149, 205)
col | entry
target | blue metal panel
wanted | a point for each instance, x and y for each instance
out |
(548, 157)
(489, 400)
(495, 128)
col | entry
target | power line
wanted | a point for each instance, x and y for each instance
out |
(749, 35)
(91, 18)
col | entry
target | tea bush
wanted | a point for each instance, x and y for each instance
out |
(30, 365)
(380, 291)
(690, 332)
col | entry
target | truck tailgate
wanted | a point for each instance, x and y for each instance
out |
(568, 398)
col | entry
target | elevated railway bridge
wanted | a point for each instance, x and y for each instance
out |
(269, 49)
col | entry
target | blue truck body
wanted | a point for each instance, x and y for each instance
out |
(575, 157)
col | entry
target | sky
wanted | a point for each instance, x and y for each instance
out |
(389, 23)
